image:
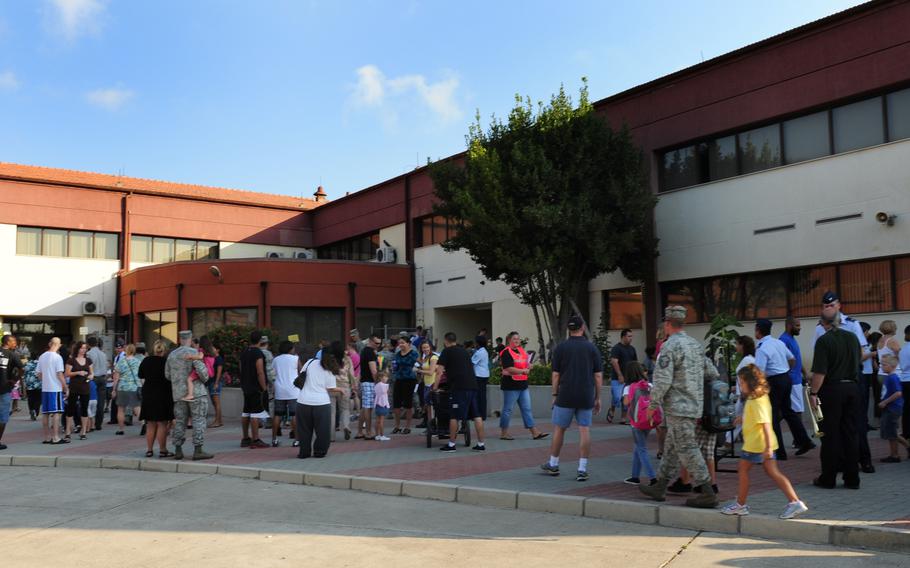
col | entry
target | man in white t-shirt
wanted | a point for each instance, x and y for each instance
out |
(286, 367)
(53, 391)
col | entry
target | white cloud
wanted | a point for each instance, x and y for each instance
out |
(109, 99)
(75, 18)
(8, 81)
(374, 90)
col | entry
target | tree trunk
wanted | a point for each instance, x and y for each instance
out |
(543, 349)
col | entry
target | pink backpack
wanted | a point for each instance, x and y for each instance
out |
(639, 399)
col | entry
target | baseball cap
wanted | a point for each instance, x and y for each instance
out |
(185, 334)
(118, 343)
(575, 322)
(353, 332)
(404, 334)
(675, 313)
(830, 297)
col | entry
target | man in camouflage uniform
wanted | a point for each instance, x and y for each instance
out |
(679, 382)
(176, 370)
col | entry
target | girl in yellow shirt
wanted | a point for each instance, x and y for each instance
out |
(759, 443)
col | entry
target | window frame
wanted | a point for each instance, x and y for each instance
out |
(67, 238)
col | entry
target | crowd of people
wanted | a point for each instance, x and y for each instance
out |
(359, 388)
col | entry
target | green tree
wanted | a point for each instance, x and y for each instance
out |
(547, 200)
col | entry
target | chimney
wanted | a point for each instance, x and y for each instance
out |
(319, 195)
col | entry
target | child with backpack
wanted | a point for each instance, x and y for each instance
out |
(759, 443)
(636, 397)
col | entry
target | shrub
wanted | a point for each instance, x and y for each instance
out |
(540, 375)
(233, 339)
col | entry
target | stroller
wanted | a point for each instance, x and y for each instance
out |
(438, 418)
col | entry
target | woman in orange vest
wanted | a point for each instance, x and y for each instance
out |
(514, 385)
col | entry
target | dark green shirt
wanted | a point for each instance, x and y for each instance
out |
(837, 356)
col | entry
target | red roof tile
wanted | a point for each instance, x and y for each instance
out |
(151, 186)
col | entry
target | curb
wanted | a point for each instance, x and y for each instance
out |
(645, 512)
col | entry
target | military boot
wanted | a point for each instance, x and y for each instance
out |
(658, 491)
(706, 499)
(178, 452)
(199, 454)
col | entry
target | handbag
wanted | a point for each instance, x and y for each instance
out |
(301, 378)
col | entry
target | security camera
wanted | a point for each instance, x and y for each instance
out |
(885, 218)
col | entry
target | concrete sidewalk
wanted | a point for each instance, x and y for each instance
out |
(514, 466)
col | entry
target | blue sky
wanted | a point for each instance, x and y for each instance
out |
(280, 96)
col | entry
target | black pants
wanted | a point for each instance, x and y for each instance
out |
(876, 394)
(905, 418)
(862, 418)
(482, 397)
(840, 403)
(77, 407)
(314, 421)
(34, 400)
(113, 405)
(781, 409)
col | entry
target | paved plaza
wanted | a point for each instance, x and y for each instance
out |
(112, 518)
(514, 465)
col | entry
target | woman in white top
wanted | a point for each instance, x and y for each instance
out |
(286, 366)
(314, 404)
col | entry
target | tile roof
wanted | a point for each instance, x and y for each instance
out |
(150, 186)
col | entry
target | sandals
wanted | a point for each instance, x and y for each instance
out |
(119, 432)
(82, 436)
(506, 438)
(396, 430)
(406, 431)
(149, 454)
(60, 441)
(610, 415)
(165, 454)
(541, 435)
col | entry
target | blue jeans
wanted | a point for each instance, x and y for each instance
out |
(509, 398)
(616, 394)
(640, 455)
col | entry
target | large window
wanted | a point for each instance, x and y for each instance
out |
(434, 230)
(864, 287)
(382, 321)
(623, 308)
(163, 249)
(36, 241)
(360, 248)
(205, 320)
(840, 129)
(159, 326)
(310, 324)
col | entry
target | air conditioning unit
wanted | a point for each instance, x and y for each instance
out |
(305, 255)
(273, 254)
(91, 308)
(385, 254)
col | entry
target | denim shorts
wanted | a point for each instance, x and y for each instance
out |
(381, 411)
(6, 403)
(562, 417)
(755, 457)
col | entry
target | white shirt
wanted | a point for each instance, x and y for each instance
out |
(772, 356)
(49, 364)
(746, 361)
(314, 391)
(285, 367)
(849, 324)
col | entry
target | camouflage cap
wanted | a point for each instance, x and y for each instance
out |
(185, 334)
(675, 313)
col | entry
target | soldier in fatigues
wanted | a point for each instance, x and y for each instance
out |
(679, 382)
(176, 370)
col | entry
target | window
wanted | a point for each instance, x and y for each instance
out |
(858, 125)
(682, 167)
(205, 320)
(28, 241)
(159, 326)
(623, 308)
(105, 246)
(687, 295)
(310, 324)
(899, 115)
(723, 296)
(806, 137)
(53, 242)
(866, 287)
(766, 295)
(140, 249)
(434, 230)
(806, 288)
(80, 244)
(760, 148)
(722, 158)
(360, 248)
(382, 321)
(902, 283)
(163, 249)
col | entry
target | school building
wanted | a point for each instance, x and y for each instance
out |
(781, 171)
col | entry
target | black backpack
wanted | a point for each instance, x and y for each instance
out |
(719, 407)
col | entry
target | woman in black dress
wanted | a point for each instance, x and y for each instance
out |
(157, 401)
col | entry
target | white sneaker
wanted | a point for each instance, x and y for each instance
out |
(793, 509)
(735, 508)
(383, 438)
